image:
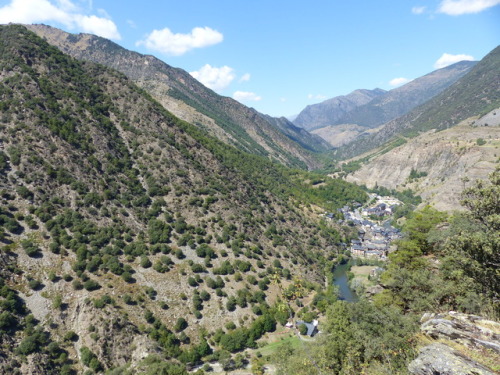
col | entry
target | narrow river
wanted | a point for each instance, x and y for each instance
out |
(341, 280)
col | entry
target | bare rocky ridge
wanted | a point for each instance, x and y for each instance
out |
(445, 157)
(188, 99)
(461, 337)
(439, 359)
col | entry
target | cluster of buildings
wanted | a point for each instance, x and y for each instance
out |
(374, 239)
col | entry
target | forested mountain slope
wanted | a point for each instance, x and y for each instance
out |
(127, 232)
(191, 101)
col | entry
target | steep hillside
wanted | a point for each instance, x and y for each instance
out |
(331, 111)
(127, 232)
(339, 135)
(438, 165)
(188, 99)
(475, 94)
(307, 140)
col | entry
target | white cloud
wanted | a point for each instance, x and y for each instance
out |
(132, 24)
(165, 41)
(447, 59)
(245, 77)
(67, 6)
(100, 26)
(317, 96)
(245, 96)
(62, 11)
(418, 10)
(459, 7)
(398, 81)
(214, 78)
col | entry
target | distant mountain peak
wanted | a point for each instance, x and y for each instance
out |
(372, 108)
(331, 110)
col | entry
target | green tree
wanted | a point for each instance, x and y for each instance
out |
(477, 252)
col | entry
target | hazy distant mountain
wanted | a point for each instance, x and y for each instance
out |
(475, 94)
(188, 99)
(401, 100)
(372, 108)
(332, 110)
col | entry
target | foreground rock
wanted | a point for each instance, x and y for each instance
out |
(461, 337)
(440, 359)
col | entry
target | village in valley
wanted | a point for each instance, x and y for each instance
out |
(373, 222)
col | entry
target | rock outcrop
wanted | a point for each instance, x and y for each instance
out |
(440, 359)
(468, 345)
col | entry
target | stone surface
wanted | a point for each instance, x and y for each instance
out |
(440, 359)
(470, 332)
(467, 329)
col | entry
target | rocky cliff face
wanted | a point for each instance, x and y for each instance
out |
(440, 162)
(460, 344)
(188, 99)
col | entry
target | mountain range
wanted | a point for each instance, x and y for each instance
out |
(332, 111)
(341, 119)
(475, 94)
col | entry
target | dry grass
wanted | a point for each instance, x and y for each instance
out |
(485, 357)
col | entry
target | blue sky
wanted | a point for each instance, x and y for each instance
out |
(280, 56)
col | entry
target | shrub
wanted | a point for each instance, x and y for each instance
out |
(231, 304)
(33, 343)
(145, 262)
(30, 248)
(197, 302)
(91, 285)
(70, 336)
(192, 282)
(127, 277)
(204, 295)
(34, 284)
(197, 268)
(180, 325)
(89, 359)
